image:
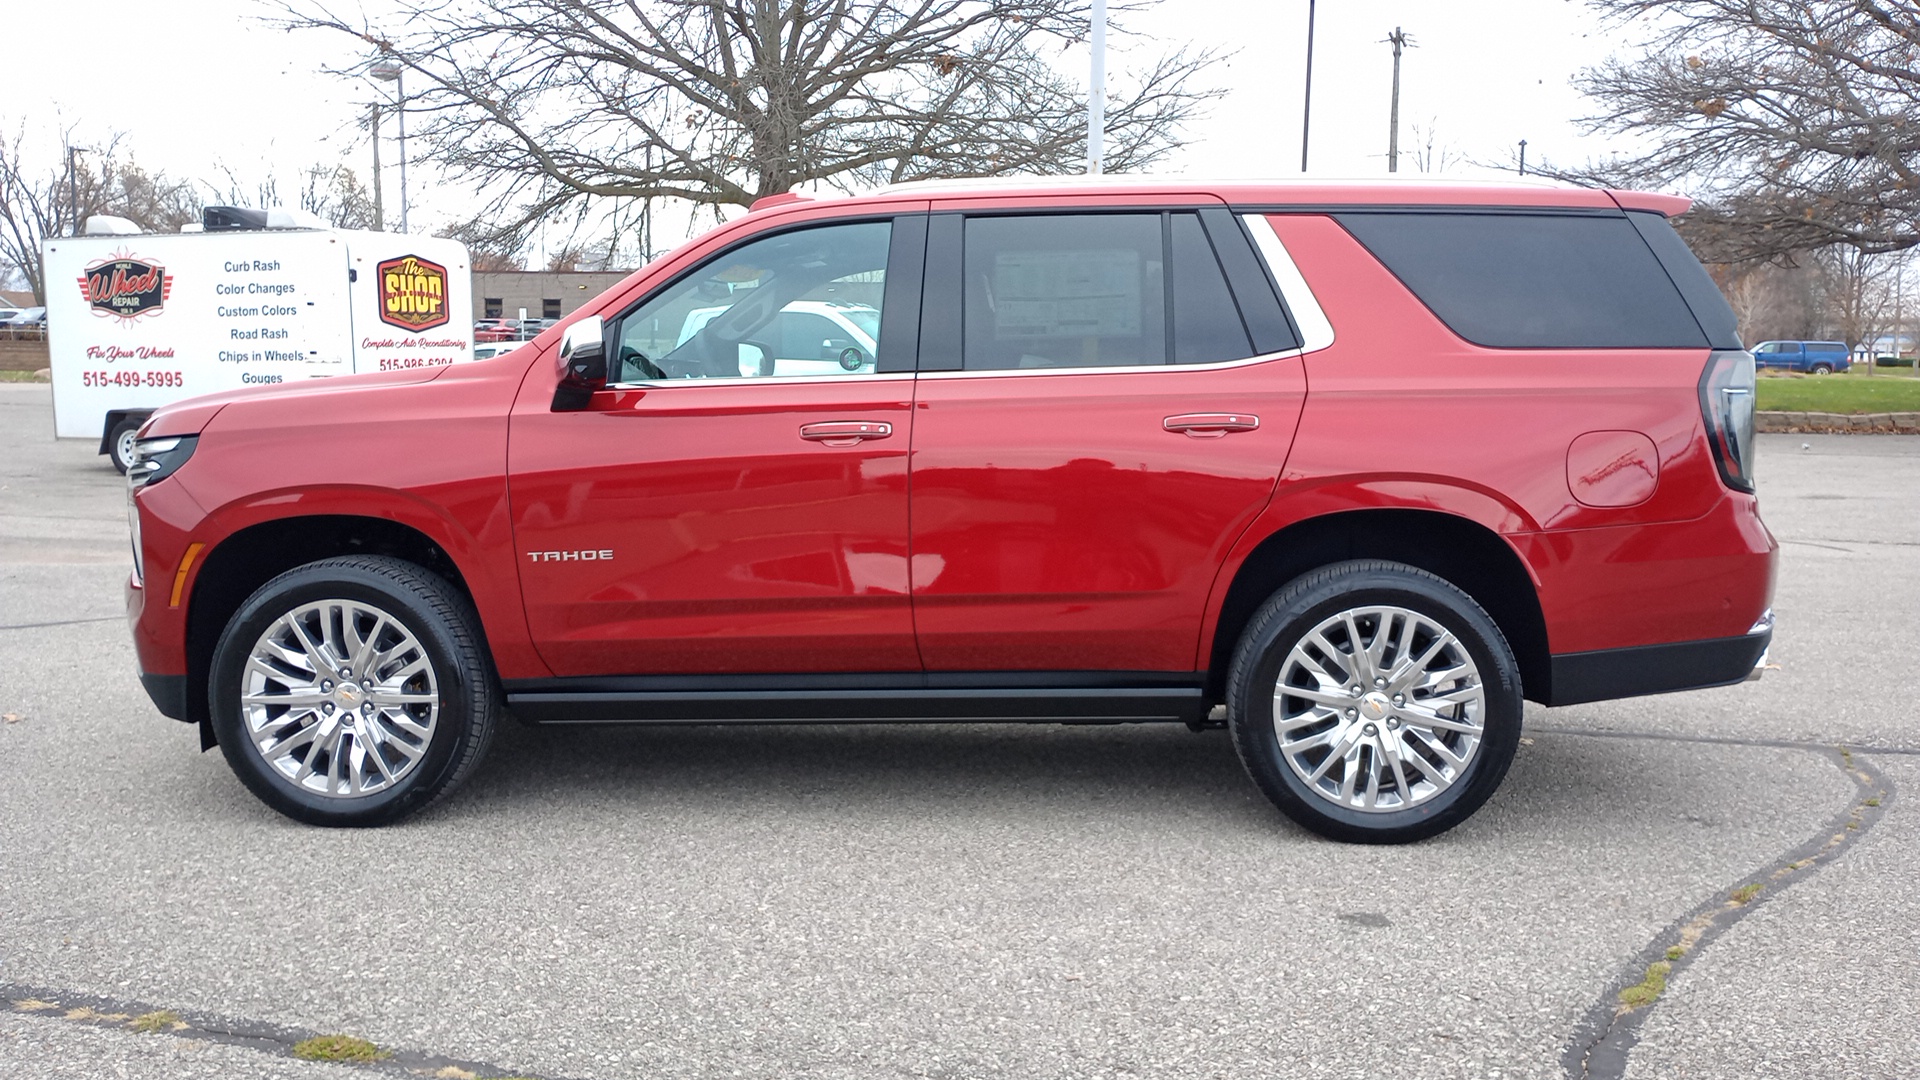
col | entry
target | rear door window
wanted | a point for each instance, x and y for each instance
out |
(1046, 291)
(1539, 281)
(1096, 290)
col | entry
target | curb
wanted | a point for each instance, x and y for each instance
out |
(1899, 423)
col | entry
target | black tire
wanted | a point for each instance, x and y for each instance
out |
(1823, 369)
(1287, 618)
(120, 442)
(443, 624)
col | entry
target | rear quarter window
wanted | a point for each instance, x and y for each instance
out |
(1533, 281)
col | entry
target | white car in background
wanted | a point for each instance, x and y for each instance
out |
(808, 337)
(487, 350)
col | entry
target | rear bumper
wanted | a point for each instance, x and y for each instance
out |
(1605, 674)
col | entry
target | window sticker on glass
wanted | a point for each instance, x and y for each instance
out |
(1066, 294)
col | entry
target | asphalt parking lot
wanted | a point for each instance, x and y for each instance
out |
(975, 901)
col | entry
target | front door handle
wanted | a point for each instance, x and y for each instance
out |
(1210, 425)
(845, 432)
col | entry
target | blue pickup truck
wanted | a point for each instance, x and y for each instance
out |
(1812, 357)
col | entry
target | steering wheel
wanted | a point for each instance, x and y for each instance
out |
(632, 357)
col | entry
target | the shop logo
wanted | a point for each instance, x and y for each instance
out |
(413, 293)
(125, 287)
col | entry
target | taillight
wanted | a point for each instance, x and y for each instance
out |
(1726, 403)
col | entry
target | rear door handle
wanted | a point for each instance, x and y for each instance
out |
(1210, 425)
(845, 432)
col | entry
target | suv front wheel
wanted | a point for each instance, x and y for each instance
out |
(353, 691)
(1374, 702)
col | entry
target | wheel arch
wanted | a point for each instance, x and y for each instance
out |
(1474, 558)
(252, 556)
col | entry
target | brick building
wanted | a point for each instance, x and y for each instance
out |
(543, 294)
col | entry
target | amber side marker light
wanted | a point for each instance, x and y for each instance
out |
(180, 575)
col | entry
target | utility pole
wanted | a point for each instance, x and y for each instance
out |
(1097, 93)
(1306, 108)
(1398, 39)
(379, 208)
(1523, 157)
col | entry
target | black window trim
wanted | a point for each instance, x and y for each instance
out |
(1269, 325)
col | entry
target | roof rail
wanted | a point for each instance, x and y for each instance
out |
(781, 199)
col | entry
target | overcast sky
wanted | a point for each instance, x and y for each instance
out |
(193, 91)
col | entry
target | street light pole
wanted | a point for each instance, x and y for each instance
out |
(379, 203)
(391, 71)
(73, 191)
(1097, 93)
(1306, 107)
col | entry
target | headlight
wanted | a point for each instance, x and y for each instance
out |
(153, 461)
(156, 459)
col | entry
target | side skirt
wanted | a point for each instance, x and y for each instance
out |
(884, 697)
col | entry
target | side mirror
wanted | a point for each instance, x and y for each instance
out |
(583, 364)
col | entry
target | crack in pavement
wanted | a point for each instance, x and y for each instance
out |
(1601, 1047)
(145, 1020)
(61, 622)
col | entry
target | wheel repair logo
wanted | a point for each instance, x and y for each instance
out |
(125, 287)
(413, 293)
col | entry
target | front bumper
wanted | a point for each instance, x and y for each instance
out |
(169, 693)
(1605, 674)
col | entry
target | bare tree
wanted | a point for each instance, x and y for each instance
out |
(550, 103)
(47, 200)
(336, 195)
(1430, 156)
(1858, 294)
(1796, 122)
(486, 251)
(1772, 301)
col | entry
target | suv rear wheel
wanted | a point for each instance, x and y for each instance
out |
(1822, 369)
(1374, 702)
(353, 691)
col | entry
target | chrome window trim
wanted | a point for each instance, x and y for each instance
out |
(1316, 332)
(1120, 369)
(765, 380)
(908, 376)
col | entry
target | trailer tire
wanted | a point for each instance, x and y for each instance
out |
(120, 442)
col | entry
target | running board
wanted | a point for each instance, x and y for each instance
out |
(1017, 697)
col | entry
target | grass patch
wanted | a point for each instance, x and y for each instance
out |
(337, 1048)
(1839, 394)
(1745, 893)
(1647, 990)
(1873, 800)
(148, 1023)
(1675, 952)
(17, 376)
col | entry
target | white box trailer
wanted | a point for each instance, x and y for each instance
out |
(138, 320)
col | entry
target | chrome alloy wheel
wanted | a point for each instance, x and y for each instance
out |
(340, 698)
(1378, 709)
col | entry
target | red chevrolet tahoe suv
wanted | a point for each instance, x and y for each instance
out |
(1365, 463)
